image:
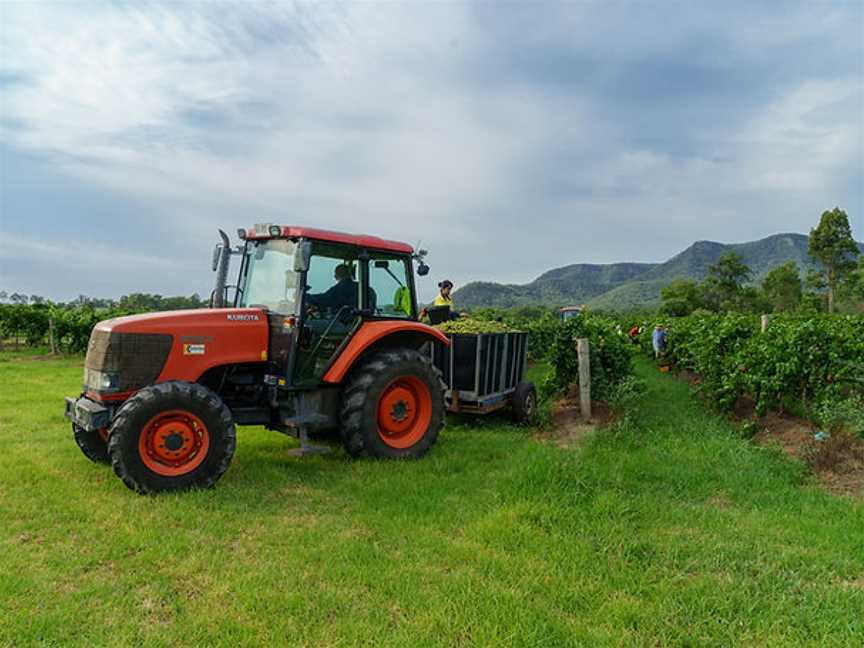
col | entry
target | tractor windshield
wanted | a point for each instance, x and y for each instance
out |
(268, 278)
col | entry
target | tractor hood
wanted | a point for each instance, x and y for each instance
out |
(174, 345)
(183, 321)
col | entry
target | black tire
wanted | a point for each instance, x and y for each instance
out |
(94, 447)
(524, 404)
(366, 386)
(151, 402)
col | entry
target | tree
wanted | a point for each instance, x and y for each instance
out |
(752, 300)
(832, 245)
(723, 287)
(856, 282)
(681, 297)
(851, 291)
(814, 298)
(782, 287)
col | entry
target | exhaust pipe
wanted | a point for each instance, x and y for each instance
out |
(218, 298)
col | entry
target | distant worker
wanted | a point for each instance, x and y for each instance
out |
(634, 334)
(658, 340)
(443, 298)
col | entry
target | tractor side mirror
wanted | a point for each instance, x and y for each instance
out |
(422, 269)
(217, 254)
(303, 256)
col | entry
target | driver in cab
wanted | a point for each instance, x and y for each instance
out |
(343, 293)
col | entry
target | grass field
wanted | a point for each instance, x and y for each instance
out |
(676, 532)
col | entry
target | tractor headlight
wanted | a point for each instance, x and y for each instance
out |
(103, 381)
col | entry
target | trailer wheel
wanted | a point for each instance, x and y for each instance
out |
(93, 443)
(172, 436)
(392, 406)
(525, 403)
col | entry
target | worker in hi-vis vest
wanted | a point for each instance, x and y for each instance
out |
(443, 298)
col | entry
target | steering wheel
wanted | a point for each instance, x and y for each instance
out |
(313, 311)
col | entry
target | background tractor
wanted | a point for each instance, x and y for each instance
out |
(569, 312)
(320, 332)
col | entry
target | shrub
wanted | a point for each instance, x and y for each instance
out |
(799, 359)
(841, 415)
(610, 355)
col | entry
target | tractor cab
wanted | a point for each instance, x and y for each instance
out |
(324, 285)
(570, 312)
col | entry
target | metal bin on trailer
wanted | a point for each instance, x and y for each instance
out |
(485, 372)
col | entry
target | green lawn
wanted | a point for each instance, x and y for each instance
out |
(676, 533)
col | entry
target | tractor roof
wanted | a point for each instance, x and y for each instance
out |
(360, 240)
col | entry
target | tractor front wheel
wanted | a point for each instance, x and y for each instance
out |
(171, 436)
(393, 406)
(93, 443)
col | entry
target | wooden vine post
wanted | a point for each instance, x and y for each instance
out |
(51, 337)
(765, 321)
(584, 355)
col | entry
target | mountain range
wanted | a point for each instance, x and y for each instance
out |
(623, 286)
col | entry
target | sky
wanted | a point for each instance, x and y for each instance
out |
(506, 138)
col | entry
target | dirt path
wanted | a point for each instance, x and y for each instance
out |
(836, 460)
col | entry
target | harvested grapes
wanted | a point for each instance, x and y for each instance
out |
(473, 327)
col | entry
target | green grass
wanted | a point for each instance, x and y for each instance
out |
(675, 533)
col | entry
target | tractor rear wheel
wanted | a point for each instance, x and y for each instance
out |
(93, 443)
(172, 436)
(392, 406)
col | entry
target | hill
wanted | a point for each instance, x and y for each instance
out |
(621, 286)
(572, 284)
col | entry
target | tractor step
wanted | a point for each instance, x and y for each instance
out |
(307, 448)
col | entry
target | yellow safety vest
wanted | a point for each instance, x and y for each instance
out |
(441, 300)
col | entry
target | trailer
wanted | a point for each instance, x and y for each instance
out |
(485, 372)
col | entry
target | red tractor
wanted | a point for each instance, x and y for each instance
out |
(320, 333)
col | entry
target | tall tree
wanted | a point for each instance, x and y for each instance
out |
(752, 300)
(725, 281)
(851, 291)
(782, 287)
(681, 297)
(857, 283)
(832, 245)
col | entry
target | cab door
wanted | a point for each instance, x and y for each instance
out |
(331, 309)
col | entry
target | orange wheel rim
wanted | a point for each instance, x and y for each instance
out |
(404, 412)
(173, 443)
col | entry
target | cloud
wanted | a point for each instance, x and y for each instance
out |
(38, 266)
(507, 139)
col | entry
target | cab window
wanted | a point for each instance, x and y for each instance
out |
(389, 286)
(331, 281)
(269, 280)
